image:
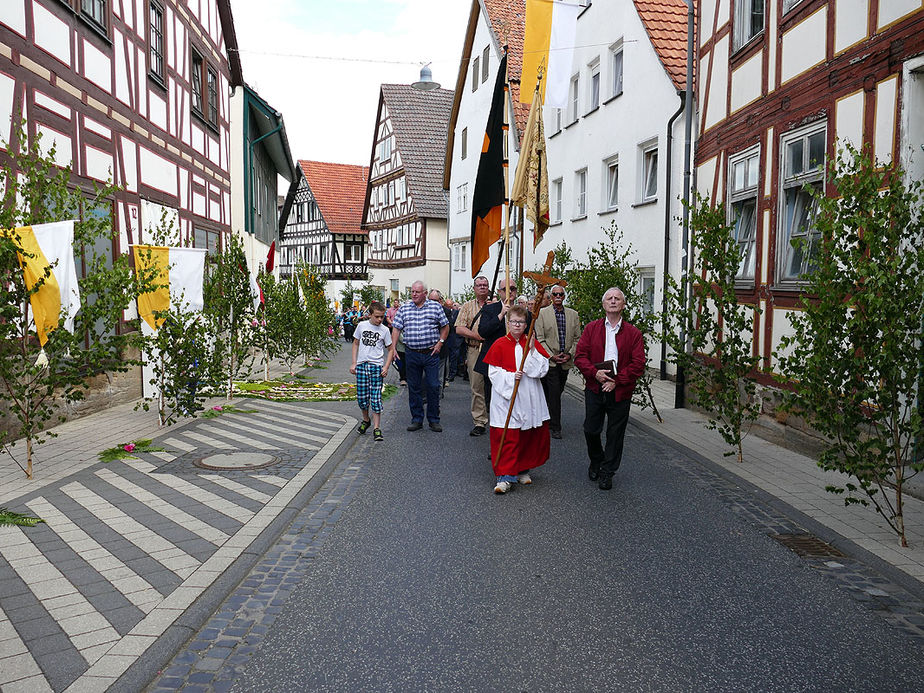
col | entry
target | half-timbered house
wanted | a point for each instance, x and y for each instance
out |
(491, 23)
(135, 91)
(780, 84)
(323, 224)
(405, 206)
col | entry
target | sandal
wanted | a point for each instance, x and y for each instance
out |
(364, 426)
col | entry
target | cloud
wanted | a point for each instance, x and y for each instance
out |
(329, 105)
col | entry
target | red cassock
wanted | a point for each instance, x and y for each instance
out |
(526, 445)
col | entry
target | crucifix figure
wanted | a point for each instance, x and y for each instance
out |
(519, 413)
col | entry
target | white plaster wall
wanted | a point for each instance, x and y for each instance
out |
(884, 138)
(850, 18)
(98, 163)
(61, 142)
(848, 119)
(13, 15)
(893, 10)
(746, 82)
(157, 171)
(51, 34)
(804, 45)
(716, 109)
(97, 66)
(7, 90)
(473, 114)
(617, 127)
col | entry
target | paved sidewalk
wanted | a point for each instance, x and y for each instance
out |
(795, 479)
(128, 546)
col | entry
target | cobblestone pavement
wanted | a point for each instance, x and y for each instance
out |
(128, 546)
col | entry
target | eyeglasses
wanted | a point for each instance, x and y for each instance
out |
(517, 322)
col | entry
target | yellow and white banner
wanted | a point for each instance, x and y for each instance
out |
(180, 273)
(49, 247)
(549, 43)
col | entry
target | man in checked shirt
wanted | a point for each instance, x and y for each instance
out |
(424, 327)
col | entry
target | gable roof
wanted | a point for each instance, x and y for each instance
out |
(498, 13)
(666, 24)
(420, 120)
(339, 190)
(512, 15)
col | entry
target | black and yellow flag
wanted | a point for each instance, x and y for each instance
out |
(488, 195)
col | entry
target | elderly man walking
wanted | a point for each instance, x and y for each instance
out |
(424, 327)
(557, 330)
(611, 356)
(467, 327)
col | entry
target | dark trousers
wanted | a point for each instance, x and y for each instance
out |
(423, 374)
(600, 407)
(553, 384)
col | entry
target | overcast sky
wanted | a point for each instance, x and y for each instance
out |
(320, 62)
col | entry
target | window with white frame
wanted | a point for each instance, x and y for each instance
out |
(476, 73)
(386, 149)
(352, 252)
(648, 174)
(610, 183)
(580, 193)
(646, 290)
(593, 94)
(156, 40)
(462, 198)
(743, 177)
(485, 63)
(616, 62)
(574, 98)
(803, 161)
(749, 21)
(557, 119)
(555, 206)
(464, 143)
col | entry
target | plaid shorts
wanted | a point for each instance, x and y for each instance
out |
(369, 386)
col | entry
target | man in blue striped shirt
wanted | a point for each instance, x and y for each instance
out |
(425, 328)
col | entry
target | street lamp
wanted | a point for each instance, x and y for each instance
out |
(426, 82)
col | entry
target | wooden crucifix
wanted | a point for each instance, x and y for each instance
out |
(543, 281)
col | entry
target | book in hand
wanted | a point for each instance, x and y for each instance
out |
(608, 366)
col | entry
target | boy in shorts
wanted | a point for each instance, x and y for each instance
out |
(372, 356)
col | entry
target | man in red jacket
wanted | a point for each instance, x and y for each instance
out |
(611, 356)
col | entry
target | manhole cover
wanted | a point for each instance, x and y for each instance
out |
(807, 546)
(236, 460)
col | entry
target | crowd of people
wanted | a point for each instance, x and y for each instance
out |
(516, 378)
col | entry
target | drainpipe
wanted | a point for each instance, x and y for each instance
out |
(667, 234)
(685, 264)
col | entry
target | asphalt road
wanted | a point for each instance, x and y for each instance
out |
(430, 582)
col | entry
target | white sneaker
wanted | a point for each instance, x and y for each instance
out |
(502, 487)
(524, 478)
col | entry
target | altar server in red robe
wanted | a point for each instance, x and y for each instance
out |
(526, 444)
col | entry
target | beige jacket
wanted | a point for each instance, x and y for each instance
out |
(547, 332)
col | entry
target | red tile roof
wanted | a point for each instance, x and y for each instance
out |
(340, 191)
(511, 14)
(666, 24)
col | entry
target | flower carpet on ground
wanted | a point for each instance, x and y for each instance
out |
(301, 391)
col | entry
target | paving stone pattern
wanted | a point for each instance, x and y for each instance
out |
(128, 545)
(222, 648)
